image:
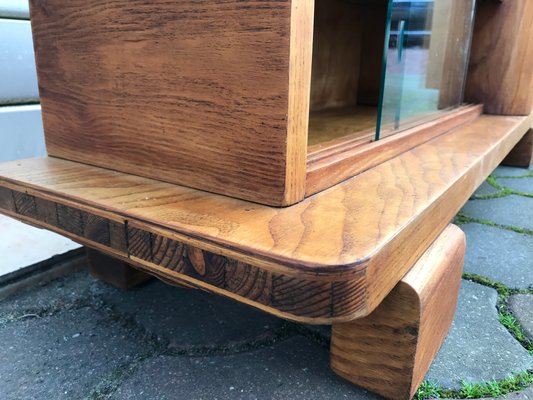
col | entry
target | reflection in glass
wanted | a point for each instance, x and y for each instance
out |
(425, 59)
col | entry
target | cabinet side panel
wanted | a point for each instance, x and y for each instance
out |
(189, 92)
(500, 74)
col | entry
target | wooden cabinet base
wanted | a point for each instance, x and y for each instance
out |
(115, 272)
(390, 351)
(522, 154)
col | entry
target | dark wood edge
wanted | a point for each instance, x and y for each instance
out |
(522, 154)
(331, 165)
(295, 298)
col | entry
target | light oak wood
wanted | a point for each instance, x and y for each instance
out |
(328, 128)
(115, 272)
(211, 94)
(373, 40)
(158, 252)
(336, 54)
(454, 64)
(337, 160)
(522, 154)
(376, 224)
(347, 51)
(390, 351)
(500, 74)
(301, 48)
(217, 95)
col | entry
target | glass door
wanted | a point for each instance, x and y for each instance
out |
(427, 44)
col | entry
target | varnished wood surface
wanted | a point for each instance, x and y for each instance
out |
(325, 126)
(301, 48)
(300, 298)
(390, 351)
(500, 74)
(366, 232)
(336, 54)
(337, 160)
(522, 154)
(347, 53)
(208, 94)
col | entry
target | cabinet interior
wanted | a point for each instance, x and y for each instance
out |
(348, 45)
(419, 76)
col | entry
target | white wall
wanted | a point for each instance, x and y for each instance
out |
(21, 134)
(21, 129)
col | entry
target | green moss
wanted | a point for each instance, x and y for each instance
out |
(491, 180)
(510, 322)
(503, 191)
(503, 291)
(513, 383)
(461, 218)
(496, 388)
(528, 174)
(428, 390)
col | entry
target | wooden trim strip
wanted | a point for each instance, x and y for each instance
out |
(295, 298)
(300, 60)
(337, 163)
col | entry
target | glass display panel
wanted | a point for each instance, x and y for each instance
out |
(426, 51)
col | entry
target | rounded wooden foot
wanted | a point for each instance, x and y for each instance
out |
(390, 351)
(522, 154)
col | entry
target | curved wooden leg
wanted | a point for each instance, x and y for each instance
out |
(390, 350)
(115, 272)
(522, 154)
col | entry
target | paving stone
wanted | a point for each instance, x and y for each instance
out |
(485, 190)
(523, 185)
(294, 369)
(511, 171)
(510, 210)
(526, 394)
(499, 254)
(61, 356)
(521, 305)
(60, 293)
(478, 348)
(189, 318)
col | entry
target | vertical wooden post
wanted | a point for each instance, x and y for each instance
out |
(115, 272)
(390, 351)
(522, 154)
(500, 75)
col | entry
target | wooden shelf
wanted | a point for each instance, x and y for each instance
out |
(332, 257)
(348, 123)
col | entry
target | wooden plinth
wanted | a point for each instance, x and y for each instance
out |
(390, 351)
(114, 271)
(522, 154)
(328, 259)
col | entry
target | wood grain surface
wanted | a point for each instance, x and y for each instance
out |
(522, 154)
(364, 233)
(500, 74)
(208, 94)
(120, 245)
(329, 127)
(340, 159)
(390, 351)
(336, 54)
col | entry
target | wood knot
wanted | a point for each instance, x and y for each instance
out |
(196, 257)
